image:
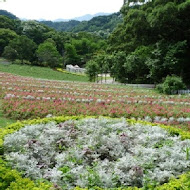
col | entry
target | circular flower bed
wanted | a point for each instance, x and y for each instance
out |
(101, 152)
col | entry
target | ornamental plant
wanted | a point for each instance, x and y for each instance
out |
(106, 153)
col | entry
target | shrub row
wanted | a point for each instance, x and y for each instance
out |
(12, 179)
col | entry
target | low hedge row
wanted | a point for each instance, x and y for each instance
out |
(12, 179)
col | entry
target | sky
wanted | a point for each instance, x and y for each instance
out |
(55, 9)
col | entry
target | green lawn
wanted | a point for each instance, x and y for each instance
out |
(40, 72)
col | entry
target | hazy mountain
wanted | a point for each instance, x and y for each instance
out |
(8, 14)
(102, 25)
(86, 17)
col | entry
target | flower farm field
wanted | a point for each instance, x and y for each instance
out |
(98, 140)
(24, 98)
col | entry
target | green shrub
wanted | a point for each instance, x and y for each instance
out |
(182, 183)
(20, 62)
(170, 85)
(12, 180)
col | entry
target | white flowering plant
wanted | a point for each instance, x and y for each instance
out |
(107, 153)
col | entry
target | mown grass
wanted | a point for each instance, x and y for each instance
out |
(40, 72)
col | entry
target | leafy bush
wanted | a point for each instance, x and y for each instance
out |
(170, 85)
(20, 62)
(12, 180)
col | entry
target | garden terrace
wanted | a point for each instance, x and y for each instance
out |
(26, 97)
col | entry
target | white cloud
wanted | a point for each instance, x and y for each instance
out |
(53, 9)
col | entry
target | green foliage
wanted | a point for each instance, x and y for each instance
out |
(58, 38)
(182, 183)
(70, 55)
(22, 38)
(6, 22)
(135, 67)
(48, 55)
(10, 53)
(81, 48)
(20, 48)
(62, 26)
(92, 70)
(171, 84)
(12, 180)
(6, 35)
(162, 27)
(35, 31)
(101, 25)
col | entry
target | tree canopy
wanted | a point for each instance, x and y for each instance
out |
(155, 38)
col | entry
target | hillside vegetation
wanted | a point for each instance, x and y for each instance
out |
(101, 25)
(146, 42)
(37, 44)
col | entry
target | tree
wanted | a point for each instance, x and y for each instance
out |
(92, 70)
(135, 68)
(6, 35)
(71, 56)
(161, 27)
(118, 69)
(48, 55)
(35, 31)
(6, 22)
(24, 48)
(10, 53)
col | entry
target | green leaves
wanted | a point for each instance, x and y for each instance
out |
(48, 55)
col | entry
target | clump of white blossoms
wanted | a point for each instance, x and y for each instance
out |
(97, 152)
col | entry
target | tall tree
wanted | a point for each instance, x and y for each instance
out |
(6, 35)
(48, 55)
(24, 48)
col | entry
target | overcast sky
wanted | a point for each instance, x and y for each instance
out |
(54, 9)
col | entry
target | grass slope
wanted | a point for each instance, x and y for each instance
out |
(40, 72)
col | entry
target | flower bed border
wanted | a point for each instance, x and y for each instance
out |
(11, 178)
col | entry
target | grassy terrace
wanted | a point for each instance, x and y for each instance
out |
(40, 72)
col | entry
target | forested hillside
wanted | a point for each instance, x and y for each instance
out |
(150, 40)
(102, 25)
(8, 14)
(153, 41)
(33, 43)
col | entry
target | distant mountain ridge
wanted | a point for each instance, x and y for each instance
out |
(102, 25)
(8, 14)
(86, 17)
